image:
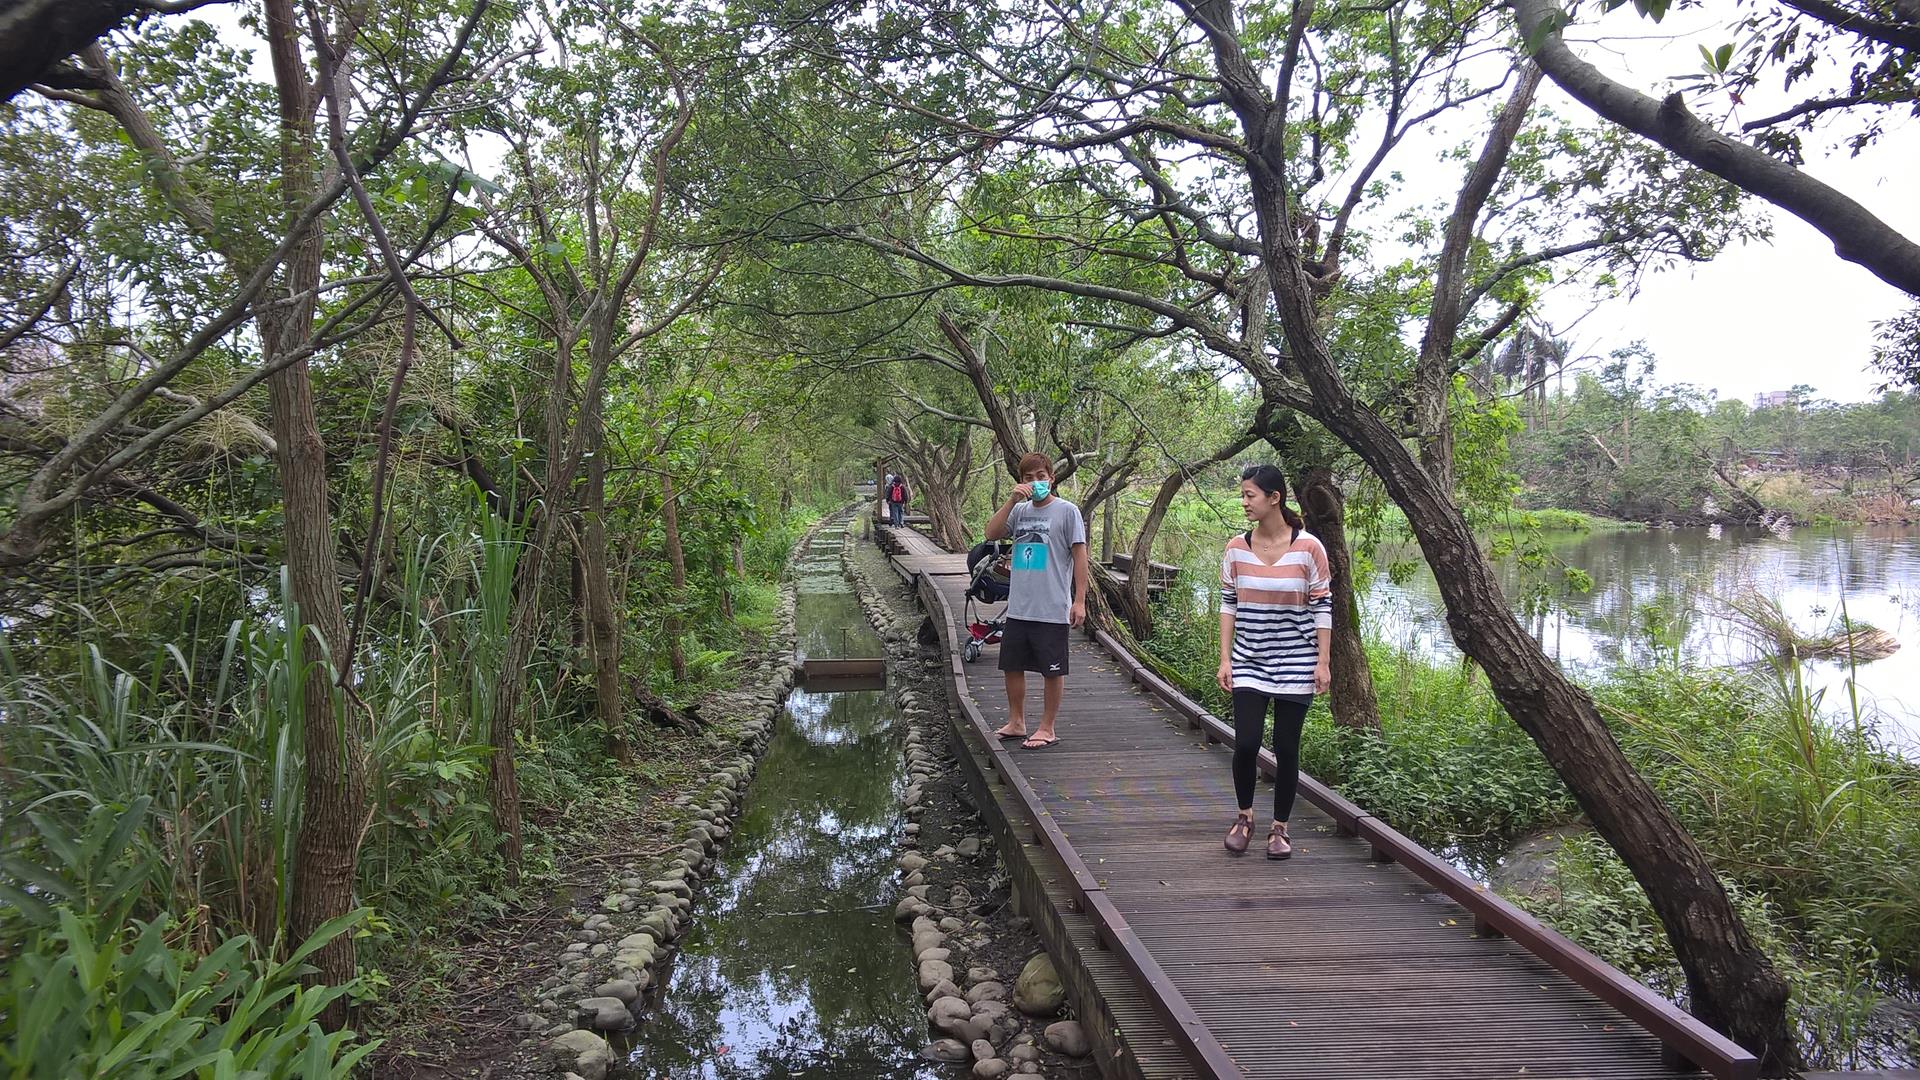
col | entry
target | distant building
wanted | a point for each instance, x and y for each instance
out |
(1772, 399)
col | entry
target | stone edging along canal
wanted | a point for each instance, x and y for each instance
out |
(956, 891)
(616, 946)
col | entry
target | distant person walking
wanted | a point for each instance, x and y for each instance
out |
(897, 494)
(1047, 594)
(1276, 621)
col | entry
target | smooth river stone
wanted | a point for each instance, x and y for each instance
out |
(934, 972)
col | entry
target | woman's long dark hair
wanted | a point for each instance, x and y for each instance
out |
(1271, 480)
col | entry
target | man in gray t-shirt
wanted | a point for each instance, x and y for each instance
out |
(1043, 538)
(1047, 594)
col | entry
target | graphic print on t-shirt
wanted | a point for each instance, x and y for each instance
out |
(1030, 545)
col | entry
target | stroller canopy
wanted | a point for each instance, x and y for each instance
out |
(990, 571)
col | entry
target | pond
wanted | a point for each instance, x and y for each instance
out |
(1655, 588)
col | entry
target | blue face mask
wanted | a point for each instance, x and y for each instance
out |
(1040, 490)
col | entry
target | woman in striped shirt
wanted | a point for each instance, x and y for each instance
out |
(1276, 616)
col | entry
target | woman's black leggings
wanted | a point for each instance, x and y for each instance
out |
(1249, 723)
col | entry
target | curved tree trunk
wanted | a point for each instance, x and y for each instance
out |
(1857, 235)
(938, 475)
(945, 516)
(1732, 984)
(1324, 507)
(1136, 609)
(1135, 604)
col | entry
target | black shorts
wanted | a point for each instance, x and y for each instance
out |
(1034, 646)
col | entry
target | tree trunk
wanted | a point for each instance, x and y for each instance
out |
(720, 577)
(602, 608)
(1732, 984)
(577, 586)
(947, 519)
(940, 477)
(334, 794)
(1433, 374)
(677, 559)
(1106, 523)
(37, 35)
(1324, 508)
(1004, 421)
(1857, 235)
(1136, 610)
(1134, 604)
(529, 579)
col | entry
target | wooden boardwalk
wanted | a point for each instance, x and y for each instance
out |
(1335, 964)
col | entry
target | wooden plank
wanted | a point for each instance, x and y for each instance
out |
(1187, 1029)
(1694, 1041)
(1122, 562)
(845, 667)
(1377, 971)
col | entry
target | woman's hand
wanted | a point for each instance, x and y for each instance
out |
(1225, 676)
(1322, 677)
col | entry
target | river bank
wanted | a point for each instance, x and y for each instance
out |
(507, 995)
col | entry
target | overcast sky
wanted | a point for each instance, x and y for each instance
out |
(1760, 317)
(1763, 316)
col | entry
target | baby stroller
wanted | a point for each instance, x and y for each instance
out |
(990, 566)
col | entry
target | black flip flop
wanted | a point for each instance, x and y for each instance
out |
(1055, 741)
(1004, 735)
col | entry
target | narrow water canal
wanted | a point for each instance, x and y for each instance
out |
(793, 967)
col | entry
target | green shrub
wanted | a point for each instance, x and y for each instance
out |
(91, 991)
(85, 997)
(1830, 967)
(1447, 764)
(1812, 821)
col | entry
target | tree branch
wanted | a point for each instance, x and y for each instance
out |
(1858, 236)
(1899, 35)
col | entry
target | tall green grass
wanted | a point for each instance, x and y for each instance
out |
(90, 989)
(201, 733)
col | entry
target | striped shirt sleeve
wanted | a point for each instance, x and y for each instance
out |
(1320, 589)
(1229, 595)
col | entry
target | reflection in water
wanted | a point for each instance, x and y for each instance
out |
(1873, 571)
(793, 967)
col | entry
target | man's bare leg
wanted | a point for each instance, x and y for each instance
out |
(1017, 705)
(1051, 689)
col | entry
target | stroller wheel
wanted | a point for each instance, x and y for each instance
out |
(970, 651)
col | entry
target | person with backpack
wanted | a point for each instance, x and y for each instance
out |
(1276, 627)
(896, 499)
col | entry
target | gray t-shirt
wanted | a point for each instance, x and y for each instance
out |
(1043, 537)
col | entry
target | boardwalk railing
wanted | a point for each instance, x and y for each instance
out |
(1195, 1042)
(1688, 1042)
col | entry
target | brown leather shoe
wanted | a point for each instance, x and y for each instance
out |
(1239, 834)
(1278, 846)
